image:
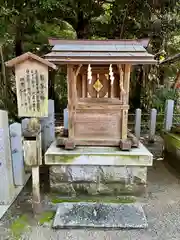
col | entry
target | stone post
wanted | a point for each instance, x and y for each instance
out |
(152, 125)
(7, 188)
(17, 154)
(48, 127)
(138, 123)
(168, 121)
(65, 116)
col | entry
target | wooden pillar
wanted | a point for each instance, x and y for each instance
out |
(127, 73)
(72, 99)
(125, 100)
(124, 87)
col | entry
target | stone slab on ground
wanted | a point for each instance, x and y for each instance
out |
(99, 215)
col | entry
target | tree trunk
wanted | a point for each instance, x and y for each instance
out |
(138, 87)
(51, 91)
(18, 40)
(82, 28)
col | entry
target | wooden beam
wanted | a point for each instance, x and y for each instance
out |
(78, 70)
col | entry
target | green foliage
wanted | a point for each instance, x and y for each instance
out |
(61, 91)
(122, 200)
(160, 97)
(26, 26)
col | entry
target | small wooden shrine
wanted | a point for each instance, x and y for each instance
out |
(98, 75)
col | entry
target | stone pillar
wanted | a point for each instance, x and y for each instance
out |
(152, 125)
(48, 127)
(138, 123)
(17, 154)
(169, 115)
(7, 188)
(65, 116)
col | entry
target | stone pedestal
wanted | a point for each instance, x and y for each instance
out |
(98, 170)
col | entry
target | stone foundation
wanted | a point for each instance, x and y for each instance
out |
(77, 180)
(105, 172)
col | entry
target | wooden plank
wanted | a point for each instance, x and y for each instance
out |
(99, 125)
(96, 61)
(97, 142)
(95, 107)
(101, 69)
(99, 101)
(72, 98)
(126, 82)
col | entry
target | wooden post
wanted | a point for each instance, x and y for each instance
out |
(125, 97)
(168, 121)
(36, 190)
(152, 125)
(84, 86)
(126, 81)
(72, 98)
(138, 123)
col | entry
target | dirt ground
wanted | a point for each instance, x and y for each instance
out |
(161, 204)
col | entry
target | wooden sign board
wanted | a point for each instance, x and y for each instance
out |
(31, 73)
(32, 89)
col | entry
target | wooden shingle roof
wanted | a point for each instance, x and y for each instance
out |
(99, 52)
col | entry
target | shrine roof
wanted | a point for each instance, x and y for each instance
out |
(98, 52)
(26, 56)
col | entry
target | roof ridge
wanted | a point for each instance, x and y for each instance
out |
(26, 56)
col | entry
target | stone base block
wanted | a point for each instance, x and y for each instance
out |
(96, 180)
(98, 170)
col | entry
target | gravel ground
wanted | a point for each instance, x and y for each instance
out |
(161, 205)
